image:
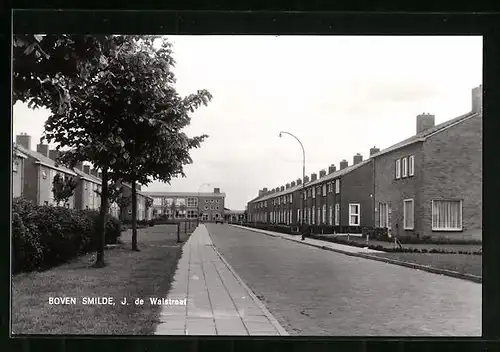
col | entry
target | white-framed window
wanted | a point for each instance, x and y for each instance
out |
(383, 214)
(192, 214)
(265, 203)
(158, 201)
(411, 165)
(354, 214)
(298, 215)
(279, 200)
(330, 215)
(318, 210)
(192, 202)
(337, 214)
(408, 214)
(15, 166)
(309, 216)
(290, 214)
(313, 190)
(206, 207)
(217, 201)
(323, 215)
(324, 190)
(337, 186)
(304, 195)
(447, 215)
(44, 174)
(206, 201)
(398, 169)
(313, 218)
(404, 166)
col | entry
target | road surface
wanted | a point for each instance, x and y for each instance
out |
(311, 291)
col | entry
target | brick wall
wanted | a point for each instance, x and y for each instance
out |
(357, 187)
(453, 169)
(393, 192)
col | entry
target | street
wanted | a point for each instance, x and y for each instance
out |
(311, 291)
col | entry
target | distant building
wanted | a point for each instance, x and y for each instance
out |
(188, 205)
(235, 216)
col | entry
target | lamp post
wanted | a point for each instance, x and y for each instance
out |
(198, 217)
(303, 177)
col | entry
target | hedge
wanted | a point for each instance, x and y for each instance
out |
(45, 236)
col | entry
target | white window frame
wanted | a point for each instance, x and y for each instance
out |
(434, 227)
(398, 169)
(323, 214)
(411, 165)
(313, 190)
(330, 215)
(337, 186)
(404, 167)
(298, 215)
(383, 208)
(15, 165)
(305, 195)
(192, 202)
(337, 214)
(405, 202)
(313, 216)
(358, 214)
(324, 190)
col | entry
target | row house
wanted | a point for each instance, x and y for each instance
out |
(33, 174)
(144, 212)
(427, 185)
(188, 205)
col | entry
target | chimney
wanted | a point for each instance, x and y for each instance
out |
(314, 177)
(374, 150)
(217, 190)
(322, 173)
(287, 186)
(24, 140)
(292, 184)
(261, 193)
(282, 188)
(43, 149)
(306, 179)
(331, 169)
(86, 169)
(343, 164)
(79, 166)
(265, 191)
(357, 159)
(477, 99)
(299, 181)
(54, 154)
(424, 122)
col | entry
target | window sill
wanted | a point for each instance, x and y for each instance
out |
(409, 228)
(447, 230)
(353, 224)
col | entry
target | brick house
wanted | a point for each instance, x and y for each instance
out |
(143, 211)
(18, 172)
(431, 183)
(39, 171)
(85, 193)
(340, 197)
(187, 205)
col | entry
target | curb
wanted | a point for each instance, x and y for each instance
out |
(266, 312)
(451, 273)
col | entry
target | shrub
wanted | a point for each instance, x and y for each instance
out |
(44, 236)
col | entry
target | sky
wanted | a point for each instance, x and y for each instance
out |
(340, 95)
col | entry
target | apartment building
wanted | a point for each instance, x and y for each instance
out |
(33, 177)
(234, 215)
(187, 205)
(144, 204)
(431, 183)
(427, 185)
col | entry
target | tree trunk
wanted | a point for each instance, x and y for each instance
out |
(101, 235)
(134, 217)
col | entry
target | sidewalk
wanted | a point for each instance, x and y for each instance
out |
(313, 242)
(218, 301)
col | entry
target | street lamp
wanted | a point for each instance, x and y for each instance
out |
(303, 177)
(204, 184)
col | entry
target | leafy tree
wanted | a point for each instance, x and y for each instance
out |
(149, 204)
(63, 188)
(173, 209)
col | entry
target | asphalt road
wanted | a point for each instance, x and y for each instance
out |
(311, 291)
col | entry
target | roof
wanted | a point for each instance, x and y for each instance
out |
(229, 211)
(422, 136)
(87, 177)
(185, 194)
(46, 161)
(328, 177)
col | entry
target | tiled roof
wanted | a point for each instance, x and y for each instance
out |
(44, 160)
(420, 137)
(87, 176)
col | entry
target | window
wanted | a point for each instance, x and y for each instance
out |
(206, 207)
(446, 215)
(291, 198)
(411, 165)
(337, 214)
(383, 214)
(15, 164)
(408, 214)
(309, 216)
(318, 210)
(298, 215)
(398, 169)
(324, 190)
(313, 192)
(290, 214)
(217, 201)
(354, 214)
(156, 200)
(337, 186)
(324, 213)
(44, 174)
(279, 200)
(313, 217)
(192, 214)
(192, 202)
(405, 167)
(330, 215)
(45, 203)
(305, 195)
(206, 201)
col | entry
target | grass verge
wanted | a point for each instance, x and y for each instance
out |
(462, 263)
(128, 274)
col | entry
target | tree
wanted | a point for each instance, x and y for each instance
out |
(149, 204)
(123, 203)
(63, 188)
(173, 209)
